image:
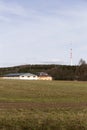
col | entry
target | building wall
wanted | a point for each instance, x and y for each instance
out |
(45, 78)
(28, 77)
(10, 77)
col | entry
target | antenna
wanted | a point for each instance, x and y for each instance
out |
(71, 55)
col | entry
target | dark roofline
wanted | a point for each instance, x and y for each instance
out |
(18, 74)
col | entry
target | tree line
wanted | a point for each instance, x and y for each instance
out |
(58, 72)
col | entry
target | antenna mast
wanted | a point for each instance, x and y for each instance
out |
(71, 56)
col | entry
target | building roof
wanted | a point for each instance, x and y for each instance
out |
(18, 74)
(43, 74)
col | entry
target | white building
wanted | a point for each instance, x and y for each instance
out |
(23, 76)
(28, 76)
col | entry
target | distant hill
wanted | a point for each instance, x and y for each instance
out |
(58, 72)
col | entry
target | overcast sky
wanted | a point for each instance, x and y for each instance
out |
(42, 31)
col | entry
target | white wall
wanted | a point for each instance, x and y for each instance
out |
(29, 78)
(10, 77)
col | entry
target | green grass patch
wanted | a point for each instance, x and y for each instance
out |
(43, 91)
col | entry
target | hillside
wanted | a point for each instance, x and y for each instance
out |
(58, 72)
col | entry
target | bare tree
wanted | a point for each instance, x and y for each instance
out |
(82, 62)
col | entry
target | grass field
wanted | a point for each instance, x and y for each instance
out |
(43, 105)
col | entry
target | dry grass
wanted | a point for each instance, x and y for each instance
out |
(43, 105)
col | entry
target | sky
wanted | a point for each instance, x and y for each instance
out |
(42, 32)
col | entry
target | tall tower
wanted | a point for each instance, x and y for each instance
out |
(71, 56)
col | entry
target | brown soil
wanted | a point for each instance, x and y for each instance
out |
(13, 105)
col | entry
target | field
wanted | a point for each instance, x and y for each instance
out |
(43, 105)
